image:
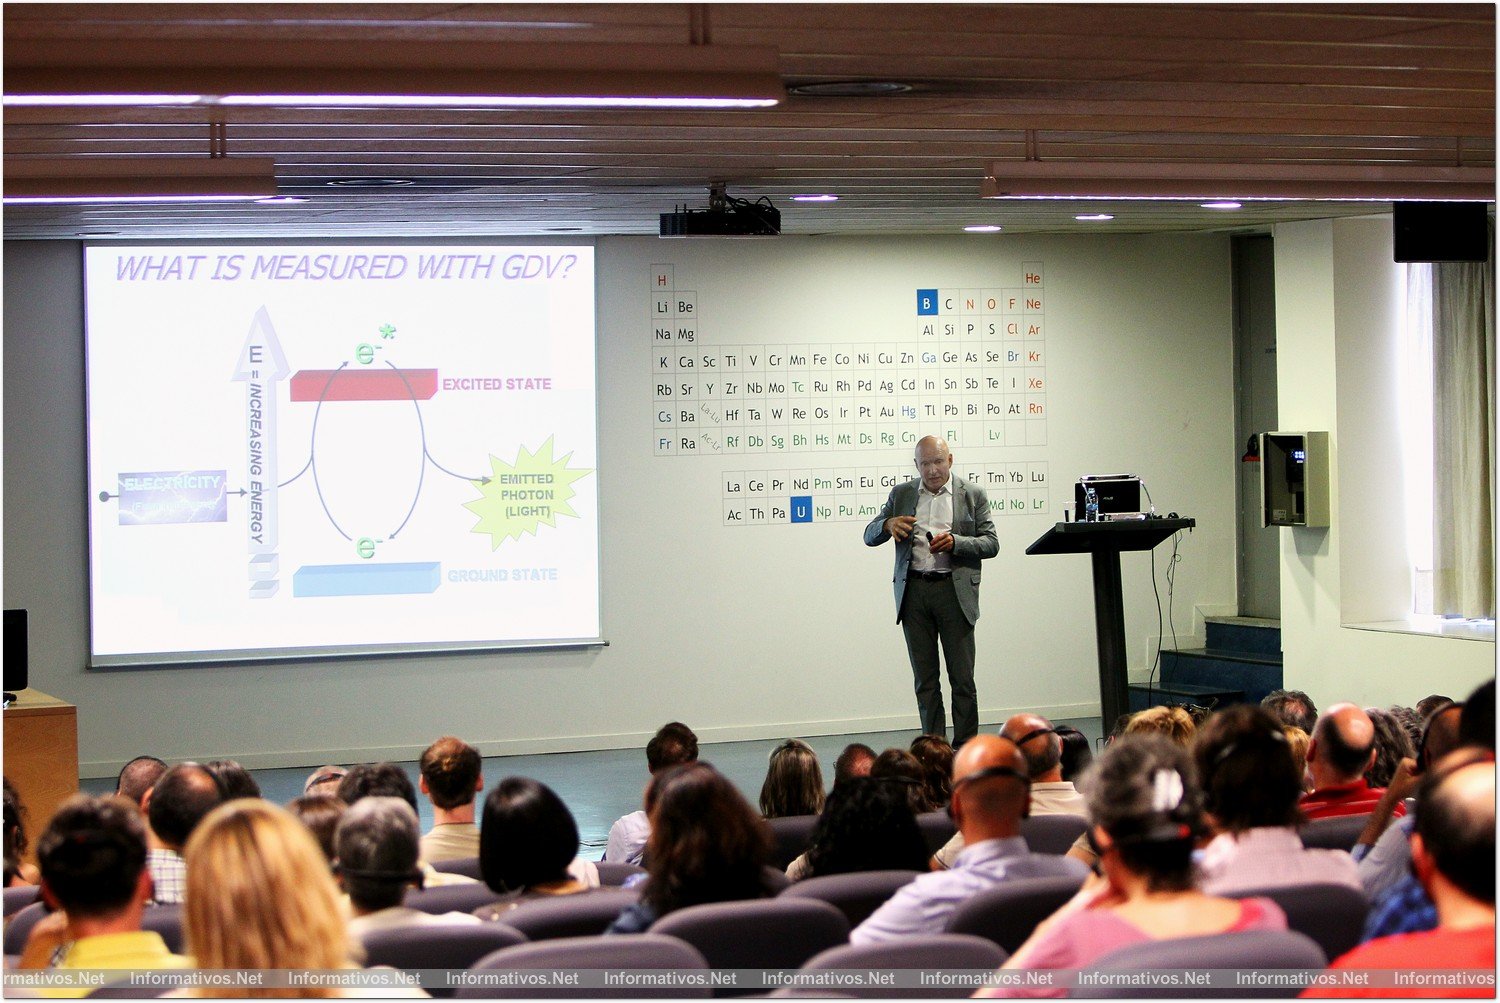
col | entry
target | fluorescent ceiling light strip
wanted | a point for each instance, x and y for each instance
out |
(91, 100)
(80, 199)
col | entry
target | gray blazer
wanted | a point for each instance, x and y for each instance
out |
(974, 539)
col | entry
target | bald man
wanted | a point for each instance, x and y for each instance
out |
(942, 529)
(1341, 750)
(991, 790)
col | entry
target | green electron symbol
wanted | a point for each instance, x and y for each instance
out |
(365, 547)
(365, 353)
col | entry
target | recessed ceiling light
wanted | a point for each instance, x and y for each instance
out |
(1093, 217)
(281, 200)
(1220, 205)
(562, 229)
(370, 182)
(982, 228)
(815, 198)
(850, 89)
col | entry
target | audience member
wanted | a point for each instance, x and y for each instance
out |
(794, 782)
(1172, 721)
(1077, 752)
(1391, 746)
(1118, 728)
(867, 825)
(1477, 726)
(234, 779)
(451, 779)
(1050, 793)
(1341, 750)
(528, 845)
(1298, 740)
(137, 777)
(854, 761)
(174, 806)
(1409, 720)
(1292, 707)
(1250, 792)
(1453, 856)
(1430, 703)
(903, 768)
(390, 781)
(324, 780)
(17, 871)
(991, 791)
(93, 866)
(673, 744)
(321, 814)
(1144, 805)
(378, 848)
(706, 845)
(936, 757)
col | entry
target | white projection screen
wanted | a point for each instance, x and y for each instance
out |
(314, 451)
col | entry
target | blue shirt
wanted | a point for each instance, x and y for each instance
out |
(1403, 908)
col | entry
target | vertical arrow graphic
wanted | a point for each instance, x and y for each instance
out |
(261, 365)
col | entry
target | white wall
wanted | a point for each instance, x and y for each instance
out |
(744, 632)
(1336, 322)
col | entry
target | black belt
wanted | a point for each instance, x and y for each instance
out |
(929, 576)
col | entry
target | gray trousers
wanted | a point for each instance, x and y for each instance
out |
(930, 613)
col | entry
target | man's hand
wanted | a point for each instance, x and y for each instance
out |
(900, 526)
(50, 933)
(942, 543)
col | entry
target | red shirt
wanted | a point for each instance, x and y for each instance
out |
(1358, 798)
(1473, 949)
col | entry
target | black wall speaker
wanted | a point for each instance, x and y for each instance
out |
(16, 650)
(1441, 231)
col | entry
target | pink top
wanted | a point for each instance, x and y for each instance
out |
(1087, 936)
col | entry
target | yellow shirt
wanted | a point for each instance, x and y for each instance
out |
(135, 949)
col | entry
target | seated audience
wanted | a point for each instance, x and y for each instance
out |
(991, 790)
(378, 846)
(527, 844)
(1298, 740)
(1144, 805)
(854, 761)
(706, 845)
(1409, 720)
(867, 825)
(1077, 752)
(174, 807)
(936, 757)
(1430, 703)
(1050, 793)
(1292, 707)
(389, 780)
(1250, 791)
(235, 780)
(324, 780)
(902, 767)
(137, 777)
(1341, 750)
(93, 865)
(794, 781)
(17, 871)
(674, 743)
(1391, 746)
(451, 778)
(321, 814)
(1453, 856)
(1172, 721)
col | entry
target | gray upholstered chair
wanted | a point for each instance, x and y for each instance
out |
(467, 866)
(584, 915)
(19, 898)
(166, 920)
(1332, 915)
(1052, 833)
(946, 951)
(757, 933)
(613, 873)
(793, 835)
(1248, 951)
(450, 898)
(456, 947)
(640, 951)
(936, 828)
(1337, 833)
(1007, 913)
(857, 894)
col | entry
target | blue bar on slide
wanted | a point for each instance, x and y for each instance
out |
(366, 579)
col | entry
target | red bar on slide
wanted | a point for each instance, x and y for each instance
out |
(364, 385)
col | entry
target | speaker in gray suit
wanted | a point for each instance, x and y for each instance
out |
(942, 528)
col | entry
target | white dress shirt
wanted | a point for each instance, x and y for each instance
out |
(934, 515)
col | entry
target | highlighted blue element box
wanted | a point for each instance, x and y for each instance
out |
(927, 303)
(802, 508)
(417, 578)
(164, 497)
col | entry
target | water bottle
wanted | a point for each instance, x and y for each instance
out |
(1090, 505)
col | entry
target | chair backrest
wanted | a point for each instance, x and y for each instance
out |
(166, 920)
(1052, 833)
(467, 866)
(757, 933)
(450, 946)
(586, 914)
(631, 951)
(932, 951)
(450, 898)
(17, 899)
(1007, 913)
(19, 927)
(936, 828)
(612, 873)
(856, 895)
(1337, 833)
(1250, 950)
(1332, 915)
(123, 990)
(793, 835)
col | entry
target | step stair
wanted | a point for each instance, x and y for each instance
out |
(1240, 663)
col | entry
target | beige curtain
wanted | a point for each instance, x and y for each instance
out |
(1463, 372)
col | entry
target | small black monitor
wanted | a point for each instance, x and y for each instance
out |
(17, 669)
(1440, 231)
(1118, 494)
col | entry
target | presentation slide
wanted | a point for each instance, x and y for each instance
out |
(303, 451)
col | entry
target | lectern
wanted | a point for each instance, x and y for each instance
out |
(1106, 541)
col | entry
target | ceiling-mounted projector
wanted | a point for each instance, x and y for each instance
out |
(725, 216)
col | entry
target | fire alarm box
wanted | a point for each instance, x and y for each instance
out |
(1294, 479)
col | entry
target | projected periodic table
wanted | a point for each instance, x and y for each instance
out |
(969, 364)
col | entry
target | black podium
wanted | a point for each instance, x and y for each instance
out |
(1106, 541)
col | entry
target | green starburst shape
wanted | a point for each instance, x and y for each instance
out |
(523, 496)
